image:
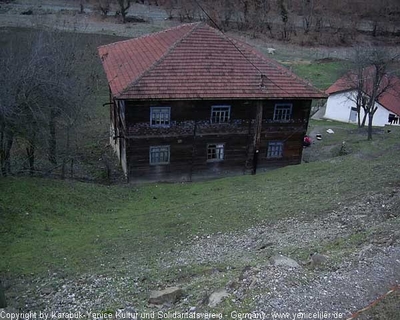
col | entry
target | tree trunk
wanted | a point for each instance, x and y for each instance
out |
(246, 12)
(30, 151)
(64, 162)
(2, 149)
(370, 118)
(72, 169)
(375, 29)
(358, 105)
(124, 5)
(82, 9)
(364, 119)
(3, 303)
(7, 155)
(6, 143)
(52, 138)
(66, 156)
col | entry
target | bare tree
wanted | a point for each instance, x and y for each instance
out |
(124, 6)
(82, 4)
(103, 6)
(370, 79)
(21, 114)
(357, 78)
(284, 14)
(169, 6)
(8, 109)
(44, 84)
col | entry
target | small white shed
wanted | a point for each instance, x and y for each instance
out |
(341, 105)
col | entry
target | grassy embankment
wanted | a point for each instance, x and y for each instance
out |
(66, 225)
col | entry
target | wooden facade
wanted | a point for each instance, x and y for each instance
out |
(252, 137)
(191, 102)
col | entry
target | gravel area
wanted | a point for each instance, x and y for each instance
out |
(288, 235)
(354, 275)
(353, 286)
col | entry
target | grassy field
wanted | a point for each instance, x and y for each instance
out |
(79, 227)
(322, 75)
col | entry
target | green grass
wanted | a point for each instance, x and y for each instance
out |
(62, 225)
(321, 75)
(79, 227)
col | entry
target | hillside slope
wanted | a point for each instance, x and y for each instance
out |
(70, 246)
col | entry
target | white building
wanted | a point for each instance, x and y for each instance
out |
(341, 105)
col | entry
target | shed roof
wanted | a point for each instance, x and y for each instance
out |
(390, 88)
(195, 61)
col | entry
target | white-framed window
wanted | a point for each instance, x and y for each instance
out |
(275, 149)
(283, 112)
(160, 116)
(215, 152)
(220, 114)
(159, 155)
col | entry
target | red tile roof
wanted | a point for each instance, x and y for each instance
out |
(390, 88)
(195, 61)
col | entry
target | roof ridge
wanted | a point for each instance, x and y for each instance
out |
(274, 63)
(147, 35)
(269, 61)
(233, 41)
(162, 58)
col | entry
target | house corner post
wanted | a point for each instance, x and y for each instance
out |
(257, 134)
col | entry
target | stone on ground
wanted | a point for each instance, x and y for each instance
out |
(168, 295)
(217, 297)
(280, 260)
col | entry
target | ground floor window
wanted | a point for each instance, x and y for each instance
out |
(215, 152)
(275, 149)
(159, 155)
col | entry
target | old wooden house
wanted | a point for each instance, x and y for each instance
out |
(192, 102)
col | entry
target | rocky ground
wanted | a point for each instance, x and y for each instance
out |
(359, 241)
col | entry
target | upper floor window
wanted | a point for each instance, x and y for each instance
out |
(275, 149)
(215, 152)
(283, 112)
(220, 114)
(160, 116)
(159, 155)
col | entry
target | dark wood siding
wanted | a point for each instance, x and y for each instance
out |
(291, 133)
(190, 132)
